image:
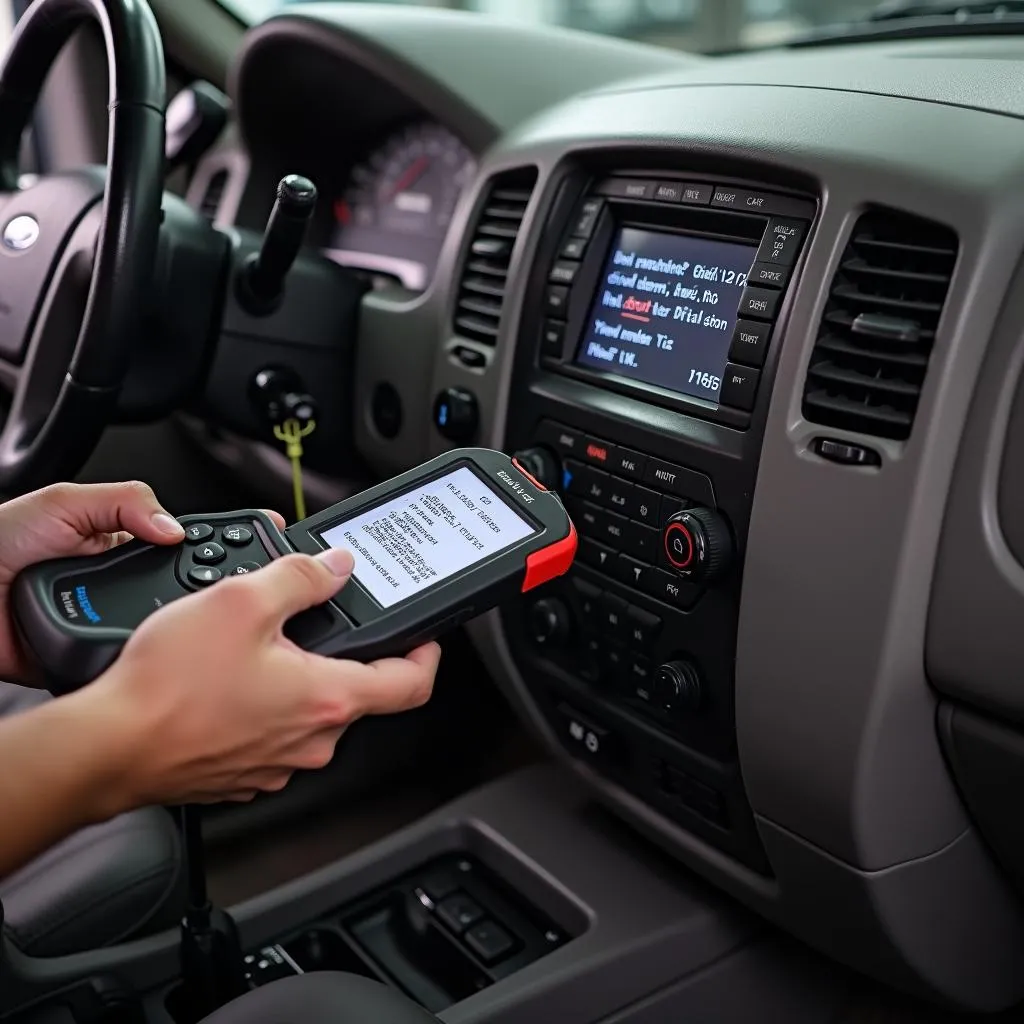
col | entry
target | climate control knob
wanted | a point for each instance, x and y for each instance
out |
(542, 465)
(677, 687)
(696, 543)
(550, 622)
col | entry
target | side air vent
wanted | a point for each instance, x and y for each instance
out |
(210, 203)
(484, 277)
(869, 362)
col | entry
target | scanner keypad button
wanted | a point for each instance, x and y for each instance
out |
(244, 568)
(196, 533)
(236, 535)
(209, 554)
(203, 575)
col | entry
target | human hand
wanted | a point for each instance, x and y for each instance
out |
(209, 701)
(67, 520)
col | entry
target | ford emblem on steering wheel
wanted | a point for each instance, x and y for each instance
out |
(21, 233)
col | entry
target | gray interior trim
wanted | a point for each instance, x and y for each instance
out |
(654, 927)
(983, 74)
(200, 34)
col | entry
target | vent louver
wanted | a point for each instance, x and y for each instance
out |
(869, 362)
(481, 291)
(210, 204)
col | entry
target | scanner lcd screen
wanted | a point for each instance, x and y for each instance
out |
(428, 534)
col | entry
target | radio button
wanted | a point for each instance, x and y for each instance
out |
(616, 663)
(574, 249)
(750, 342)
(771, 275)
(599, 453)
(587, 598)
(760, 303)
(586, 218)
(640, 679)
(629, 571)
(562, 439)
(684, 483)
(564, 272)
(645, 506)
(613, 615)
(642, 627)
(594, 485)
(556, 300)
(696, 194)
(552, 339)
(619, 496)
(628, 463)
(668, 192)
(781, 241)
(627, 188)
(597, 556)
(588, 518)
(641, 542)
(671, 589)
(614, 530)
(739, 386)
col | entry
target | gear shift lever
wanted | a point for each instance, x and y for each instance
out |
(262, 280)
(211, 955)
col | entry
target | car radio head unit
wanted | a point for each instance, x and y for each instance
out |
(669, 290)
(665, 310)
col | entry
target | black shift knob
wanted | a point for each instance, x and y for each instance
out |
(282, 240)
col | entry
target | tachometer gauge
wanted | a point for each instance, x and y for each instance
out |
(395, 213)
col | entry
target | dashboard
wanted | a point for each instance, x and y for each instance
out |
(759, 322)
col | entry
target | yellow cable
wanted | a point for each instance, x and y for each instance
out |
(291, 433)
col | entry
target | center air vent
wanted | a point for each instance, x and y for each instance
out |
(485, 274)
(869, 362)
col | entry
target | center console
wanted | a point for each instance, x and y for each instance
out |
(640, 390)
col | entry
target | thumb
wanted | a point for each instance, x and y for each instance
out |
(108, 508)
(294, 583)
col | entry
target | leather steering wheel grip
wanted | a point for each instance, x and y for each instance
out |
(31, 452)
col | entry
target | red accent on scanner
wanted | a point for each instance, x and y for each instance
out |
(550, 562)
(533, 480)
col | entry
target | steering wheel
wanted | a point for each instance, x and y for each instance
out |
(77, 248)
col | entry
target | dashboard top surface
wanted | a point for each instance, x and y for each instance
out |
(984, 74)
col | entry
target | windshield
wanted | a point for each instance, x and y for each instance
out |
(703, 26)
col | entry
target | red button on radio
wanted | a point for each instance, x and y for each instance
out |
(597, 453)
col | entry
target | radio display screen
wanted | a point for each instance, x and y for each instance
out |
(665, 310)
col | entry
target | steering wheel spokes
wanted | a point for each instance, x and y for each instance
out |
(76, 248)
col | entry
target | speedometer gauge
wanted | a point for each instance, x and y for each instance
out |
(395, 213)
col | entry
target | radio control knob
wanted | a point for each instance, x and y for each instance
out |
(550, 622)
(542, 465)
(696, 543)
(677, 687)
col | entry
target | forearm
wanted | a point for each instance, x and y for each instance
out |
(62, 767)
